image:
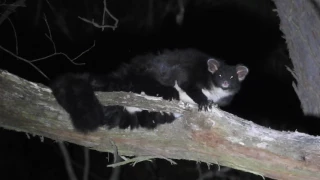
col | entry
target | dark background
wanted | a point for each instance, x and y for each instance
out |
(237, 31)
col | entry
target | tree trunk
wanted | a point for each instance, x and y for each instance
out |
(300, 22)
(212, 137)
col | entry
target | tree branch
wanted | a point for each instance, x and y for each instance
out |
(300, 22)
(212, 137)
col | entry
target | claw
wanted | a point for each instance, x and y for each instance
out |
(205, 106)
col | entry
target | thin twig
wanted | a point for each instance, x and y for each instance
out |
(30, 62)
(46, 57)
(15, 36)
(109, 13)
(67, 161)
(103, 15)
(203, 176)
(132, 160)
(116, 171)
(86, 163)
(25, 60)
(102, 26)
(27, 135)
(139, 159)
(50, 35)
(63, 54)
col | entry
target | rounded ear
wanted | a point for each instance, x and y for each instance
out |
(213, 65)
(242, 72)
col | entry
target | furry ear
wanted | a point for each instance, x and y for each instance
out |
(213, 65)
(242, 72)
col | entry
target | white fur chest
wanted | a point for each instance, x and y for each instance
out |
(183, 96)
(215, 94)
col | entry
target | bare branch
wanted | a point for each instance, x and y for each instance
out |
(24, 60)
(30, 62)
(300, 22)
(116, 158)
(67, 161)
(102, 26)
(106, 10)
(86, 163)
(63, 54)
(50, 35)
(15, 36)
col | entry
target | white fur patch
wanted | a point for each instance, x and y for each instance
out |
(215, 93)
(183, 96)
(177, 115)
(133, 110)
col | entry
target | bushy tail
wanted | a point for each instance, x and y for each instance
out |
(118, 116)
(75, 93)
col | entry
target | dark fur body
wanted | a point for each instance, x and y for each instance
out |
(155, 75)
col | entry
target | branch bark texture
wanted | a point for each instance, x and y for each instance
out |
(300, 22)
(212, 137)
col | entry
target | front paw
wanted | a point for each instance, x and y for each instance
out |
(86, 120)
(205, 105)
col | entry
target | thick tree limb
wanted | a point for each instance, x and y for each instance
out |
(216, 137)
(300, 22)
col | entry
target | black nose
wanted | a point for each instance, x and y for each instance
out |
(225, 84)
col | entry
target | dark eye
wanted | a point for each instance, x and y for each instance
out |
(220, 75)
(231, 77)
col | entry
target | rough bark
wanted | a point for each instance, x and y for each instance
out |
(212, 137)
(300, 22)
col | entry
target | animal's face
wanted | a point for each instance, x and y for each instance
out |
(225, 76)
